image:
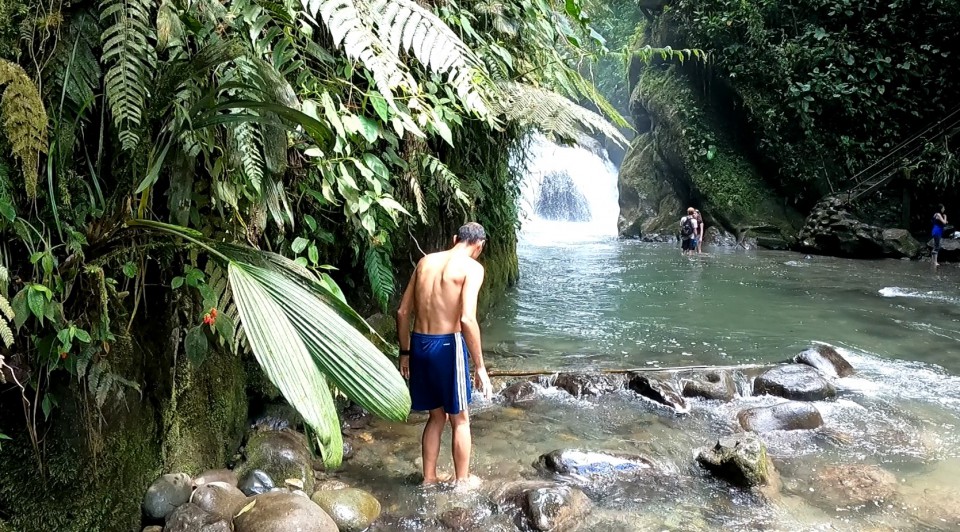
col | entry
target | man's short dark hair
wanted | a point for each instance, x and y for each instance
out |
(471, 233)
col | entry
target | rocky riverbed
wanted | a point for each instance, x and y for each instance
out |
(800, 445)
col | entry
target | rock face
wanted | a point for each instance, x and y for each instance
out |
(166, 494)
(594, 466)
(519, 392)
(794, 381)
(791, 415)
(659, 391)
(826, 359)
(219, 499)
(352, 509)
(853, 485)
(832, 229)
(559, 199)
(717, 385)
(556, 508)
(284, 512)
(580, 384)
(741, 460)
(668, 168)
(281, 454)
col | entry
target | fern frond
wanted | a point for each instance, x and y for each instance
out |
(132, 59)
(75, 56)
(24, 121)
(447, 182)
(4, 280)
(418, 196)
(6, 335)
(380, 274)
(169, 28)
(552, 113)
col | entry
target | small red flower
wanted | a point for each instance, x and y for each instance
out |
(207, 320)
(63, 355)
(213, 312)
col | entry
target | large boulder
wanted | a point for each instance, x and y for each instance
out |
(852, 486)
(741, 460)
(594, 466)
(166, 494)
(716, 385)
(281, 454)
(826, 359)
(580, 384)
(794, 381)
(791, 415)
(900, 243)
(659, 391)
(556, 508)
(219, 499)
(352, 509)
(279, 511)
(949, 250)
(832, 228)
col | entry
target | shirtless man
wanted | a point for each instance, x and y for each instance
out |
(442, 298)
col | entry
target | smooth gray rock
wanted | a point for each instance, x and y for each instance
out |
(853, 485)
(352, 509)
(219, 499)
(581, 384)
(716, 385)
(826, 360)
(794, 381)
(256, 482)
(166, 494)
(792, 415)
(594, 466)
(741, 460)
(659, 391)
(556, 508)
(284, 512)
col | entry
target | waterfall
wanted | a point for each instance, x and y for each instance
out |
(568, 192)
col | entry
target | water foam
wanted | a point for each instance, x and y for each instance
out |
(896, 291)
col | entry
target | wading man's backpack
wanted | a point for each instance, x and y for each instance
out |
(686, 227)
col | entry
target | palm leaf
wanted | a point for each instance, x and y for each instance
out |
(285, 360)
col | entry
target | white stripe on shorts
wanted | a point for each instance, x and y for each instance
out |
(461, 372)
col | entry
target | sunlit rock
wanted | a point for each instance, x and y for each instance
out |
(659, 391)
(283, 512)
(826, 359)
(792, 415)
(740, 460)
(717, 385)
(352, 509)
(794, 381)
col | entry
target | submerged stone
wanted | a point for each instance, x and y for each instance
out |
(166, 494)
(256, 482)
(716, 385)
(283, 512)
(594, 466)
(556, 508)
(281, 455)
(219, 499)
(352, 509)
(826, 359)
(853, 485)
(792, 415)
(659, 391)
(580, 384)
(740, 460)
(794, 381)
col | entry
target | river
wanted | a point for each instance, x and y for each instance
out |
(588, 301)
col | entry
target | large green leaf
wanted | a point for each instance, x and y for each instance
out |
(352, 363)
(284, 357)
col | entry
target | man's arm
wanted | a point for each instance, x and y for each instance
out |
(404, 315)
(470, 327)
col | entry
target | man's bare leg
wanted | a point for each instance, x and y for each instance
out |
(460, 423)
(431, 444)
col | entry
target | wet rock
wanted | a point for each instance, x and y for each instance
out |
(276, 417)
(283, 512)
(329, 485)
(794, 381)
(594, 466)
(281, 455)
(219, 526)
(519, 392)
(716, 385)
(188, 518)
(853, 485)
(216, 475)
(514, 493)
(153, 528)
(900, 243)
(462, 519)
(352, 509)
(556, 508)
(791, 415)
(580, 384)
(934, 508)
(826, 359)
(219, 499)
(166, 494)
(355, 417)
(741, 460)
(659, 391)
(256, 482)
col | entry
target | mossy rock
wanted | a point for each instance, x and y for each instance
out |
(281, 454)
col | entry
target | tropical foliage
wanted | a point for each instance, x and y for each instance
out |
(245, 152)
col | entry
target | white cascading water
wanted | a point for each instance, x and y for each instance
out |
(568, 193)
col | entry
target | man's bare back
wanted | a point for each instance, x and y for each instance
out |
(441, 298)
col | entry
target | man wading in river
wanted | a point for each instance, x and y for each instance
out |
(442, 298)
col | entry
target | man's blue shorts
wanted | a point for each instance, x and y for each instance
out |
(439, 374)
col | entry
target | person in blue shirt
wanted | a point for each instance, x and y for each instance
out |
(939, 221)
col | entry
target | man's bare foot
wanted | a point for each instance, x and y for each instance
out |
(470, 483)
(436, 480)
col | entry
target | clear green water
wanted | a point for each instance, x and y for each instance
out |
(588, 303)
